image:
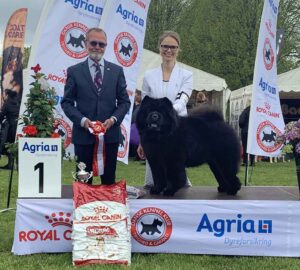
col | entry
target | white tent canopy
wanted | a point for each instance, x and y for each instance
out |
(201, 80)
(288, 85)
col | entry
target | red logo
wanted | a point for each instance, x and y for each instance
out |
(60, 219)
(72, 39)
(55, 219)
(266, 137)
(57, 78)
(123, 144)
(100, 230)
(268, 54)
(151, 226)
(126, 49)
(64, 130)
(100, 209)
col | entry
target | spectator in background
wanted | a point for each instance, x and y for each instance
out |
(243, 124)
(10, 112)
(134, 135)
(136, 105)
(201, 98)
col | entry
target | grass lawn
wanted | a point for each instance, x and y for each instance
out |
(263, 174)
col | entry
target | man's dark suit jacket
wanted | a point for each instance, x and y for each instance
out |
(81, 99)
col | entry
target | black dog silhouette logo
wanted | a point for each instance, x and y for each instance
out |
(151, 228)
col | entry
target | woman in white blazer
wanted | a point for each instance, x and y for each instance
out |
(168, 80)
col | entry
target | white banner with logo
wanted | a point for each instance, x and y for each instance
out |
(249, 228)
(125, 39)
(266, 120)
(58, 44)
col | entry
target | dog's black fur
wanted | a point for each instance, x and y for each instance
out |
(172, 143)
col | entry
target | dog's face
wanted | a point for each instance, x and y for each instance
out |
(156, 118)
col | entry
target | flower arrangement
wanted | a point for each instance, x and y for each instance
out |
(291, 138)
(38, 117)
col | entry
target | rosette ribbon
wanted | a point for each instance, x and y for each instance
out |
(98, 130)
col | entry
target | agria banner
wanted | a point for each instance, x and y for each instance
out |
(59, 43)
(246, 227)
(125, 26)
(266, 120)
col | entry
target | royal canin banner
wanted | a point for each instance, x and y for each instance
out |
(125, 26)
(221, 227)
(59, 43)
(266, 120)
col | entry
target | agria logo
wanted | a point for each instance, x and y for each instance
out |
(219, 227)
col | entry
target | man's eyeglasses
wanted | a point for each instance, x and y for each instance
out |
(171, 47)
(94, 43)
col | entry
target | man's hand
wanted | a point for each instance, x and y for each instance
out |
(141, 152)
(109, 123)
(88, 124)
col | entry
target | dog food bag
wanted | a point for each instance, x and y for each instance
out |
(101, 225)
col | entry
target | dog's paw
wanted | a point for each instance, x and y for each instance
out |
(221, 189)
(233, 191)
(169, 192)
(155, 190)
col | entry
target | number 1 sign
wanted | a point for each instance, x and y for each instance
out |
(39, 167)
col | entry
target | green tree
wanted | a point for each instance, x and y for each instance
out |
(163, 15)
(221, 36)
(26, 55)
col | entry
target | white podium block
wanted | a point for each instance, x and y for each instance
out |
(39, 167)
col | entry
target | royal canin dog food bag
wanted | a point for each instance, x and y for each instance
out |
(101, 225)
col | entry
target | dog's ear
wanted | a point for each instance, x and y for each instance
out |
(167, 102)
(146, 99)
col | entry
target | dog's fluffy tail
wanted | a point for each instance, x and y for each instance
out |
(208, 112)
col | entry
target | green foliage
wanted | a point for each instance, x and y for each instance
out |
(40, 106)
(221, 36)
(163, 15)
(38, 118)
(26, 55)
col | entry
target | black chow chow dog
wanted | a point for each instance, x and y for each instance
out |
(171, 143)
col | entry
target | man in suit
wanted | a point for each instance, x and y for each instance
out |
(96, 90)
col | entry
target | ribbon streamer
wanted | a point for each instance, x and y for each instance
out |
(98, 130)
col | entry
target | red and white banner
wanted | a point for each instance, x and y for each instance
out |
(248, 228)
(266, 120)
(59, 43)
(125, 26)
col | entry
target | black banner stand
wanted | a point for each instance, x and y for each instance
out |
(10, 183)
(10, 177)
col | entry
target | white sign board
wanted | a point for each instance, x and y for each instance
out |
(39, 167)
(220, 227)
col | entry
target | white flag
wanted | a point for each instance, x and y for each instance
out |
(266, 121)
(125, 40)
